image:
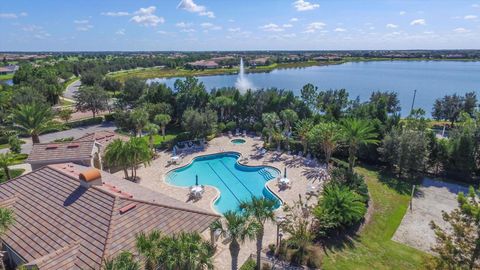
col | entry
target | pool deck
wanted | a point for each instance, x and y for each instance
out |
(300, 173)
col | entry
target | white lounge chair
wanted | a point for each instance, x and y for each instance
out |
(244, 133)
(237, 132)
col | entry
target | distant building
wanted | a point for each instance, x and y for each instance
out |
(203, 64)
(6, 70)
(72, 217)
(259, 61)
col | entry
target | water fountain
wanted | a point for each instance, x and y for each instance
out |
(242, 83)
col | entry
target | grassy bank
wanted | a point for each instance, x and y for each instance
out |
(374, 249)
(6, 77)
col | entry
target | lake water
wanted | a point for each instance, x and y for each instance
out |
(431, 79)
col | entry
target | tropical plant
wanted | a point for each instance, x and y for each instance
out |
(357, 132)
(93, 99)
(7, 218)
(65, 114)
(6, 159)
(458, 247)
(139, 152)
(289, 117)
(162, 120)
(124, 261)
(199, 124)
(139, 118)
(236, 227)
(339, 206)
(270, 120)
(117, 156)
(327, 136)
(33, 119)
(148, 246)
(15, 144)
(222, 103)
(261, 210)
(151, 130)
(302, 129)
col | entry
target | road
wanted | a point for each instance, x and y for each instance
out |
(71, 89)
(74, 132)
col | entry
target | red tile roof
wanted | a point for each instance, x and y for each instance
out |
(103, 137)
(61, 152)
(60, 223)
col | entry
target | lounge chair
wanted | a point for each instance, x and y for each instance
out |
(237, 132)
(244, 134)
(230, 134)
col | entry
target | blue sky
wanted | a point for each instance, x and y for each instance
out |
(89, 25)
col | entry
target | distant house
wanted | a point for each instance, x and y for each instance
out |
(6, 70)
(203, 64)
(72, 217)
(259, 61)
(103, 138)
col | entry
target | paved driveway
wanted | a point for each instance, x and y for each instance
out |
(71, 89)
(74, 132)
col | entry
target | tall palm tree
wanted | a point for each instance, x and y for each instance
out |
(33, 119)
(162, 120)
(357, 132)
(328, 137)
(289, 117)
(303, 128)
(7, 218)
(139, 152)
(6, 159)
(148, 246)
(270, 120)
(139, 118)
(236, 228)
(124, 261)
(117, 156)
(222, 103)
(261, 210)
(151, 130)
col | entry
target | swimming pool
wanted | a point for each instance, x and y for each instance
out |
(236, 183)
(238, 141)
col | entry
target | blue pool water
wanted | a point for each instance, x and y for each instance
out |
(236, 183)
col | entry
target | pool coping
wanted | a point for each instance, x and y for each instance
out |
(212, 202)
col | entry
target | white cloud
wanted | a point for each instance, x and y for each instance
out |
(391, 25)
(231, 20)
(287, 25)
(461, 30)
(470, 17)
(314, 26)
(162, 32)
(191, 6)
(120, 32)
(83, 25)
(146, 17)
(294, 19)
(237, 29)
(402, 13)
(302, 5)
(476, 5)
(183, 25)
(23, 14)
(115, 13)
(271, 27)
(80, 21)
(8, 16)
(188, 30)
(418, 22)
(338, 29)
(292, 35)
(37, 31)
(210, 26)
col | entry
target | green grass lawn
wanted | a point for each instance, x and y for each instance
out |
(13, 173)
(158, 139)
(6, 77)
(374, 248)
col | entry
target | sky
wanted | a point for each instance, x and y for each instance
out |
(197, 25)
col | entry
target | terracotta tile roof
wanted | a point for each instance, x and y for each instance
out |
(59, 222)
(103, 137)
(61, 151)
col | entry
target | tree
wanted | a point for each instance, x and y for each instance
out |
(327, 136)
(459, 247)
(450, 106)
(117, 156)
(139, 152)
(289, 117)
(270, 120)
(133, 89)
(112, 85)
(93, 99)
(339, 206)
(7, 219)
(139, 118)
(356, 132)
(222, 102)
(148, 246)
(33, 119)
(151, 130)
(91, 78)
(6, 159)
(309, 95)
(302, 129)
(65, 114)
(261, 210)
(236, 228)
(162, 120)
(199, 124)
(15, 144)
(124, 261)
(332, 102)
(191, 93)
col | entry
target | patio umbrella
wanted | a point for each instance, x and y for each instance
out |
(285, 172)
(174, 150)
(196, 180)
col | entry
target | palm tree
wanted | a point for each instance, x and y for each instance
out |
(33, 119)
(151, 130)
(6, 159)
(328, 136)
(117, 156)
(357, 132)
(222, 102)
(303, 128)
(236, 228)
(261, 210)
(7, 219)
(162, 120)
(124, 261)
(148, 246)
(270, 120)
(139, 118)
(278, 137)
(139, 151)
(289, 117)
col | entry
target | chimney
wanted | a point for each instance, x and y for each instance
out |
(90, 177)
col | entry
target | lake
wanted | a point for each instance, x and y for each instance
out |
(431, 79)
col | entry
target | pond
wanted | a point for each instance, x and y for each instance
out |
(431, 79)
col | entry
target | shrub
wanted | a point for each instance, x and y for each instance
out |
(221, 127)
(257, 127)
(250, 264)
(15, 144)
(109, 117)
(85, 122)
(231, 125)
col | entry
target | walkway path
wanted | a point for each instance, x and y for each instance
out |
(71, 89)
